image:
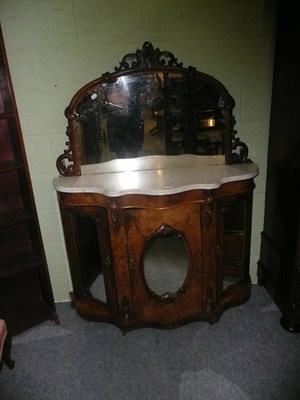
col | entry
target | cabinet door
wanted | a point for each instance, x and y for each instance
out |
(234, 226)
(89, 253)
(165, 263)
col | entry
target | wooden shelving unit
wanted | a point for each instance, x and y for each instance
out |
(26, 297)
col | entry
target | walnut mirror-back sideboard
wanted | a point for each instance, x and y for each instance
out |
(155, 193)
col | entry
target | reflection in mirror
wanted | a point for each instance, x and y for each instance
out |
(152, 113)
(89, 257)
(98, 289)
(165, 263)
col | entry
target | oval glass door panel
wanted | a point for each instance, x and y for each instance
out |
(165, 263)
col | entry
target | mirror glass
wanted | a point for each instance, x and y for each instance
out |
(165, 263)
(98, 289)
(151, 113)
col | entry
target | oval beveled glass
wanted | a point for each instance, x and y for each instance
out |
(165, 263)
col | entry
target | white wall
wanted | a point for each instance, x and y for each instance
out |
(56, 46)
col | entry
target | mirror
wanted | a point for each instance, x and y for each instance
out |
(150, 105)
(165, 263)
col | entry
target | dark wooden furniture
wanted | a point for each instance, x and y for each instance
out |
(279, 263)
(26, 297)
(5, 346)
(155, 238)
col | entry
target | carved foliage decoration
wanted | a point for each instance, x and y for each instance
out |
(239, 149)
(64, 162)
(147, 58)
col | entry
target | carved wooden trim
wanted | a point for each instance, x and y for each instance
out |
(64, 162)
(148, 58)
(168, 297)
(125, 308)
(239, 149)
(115, 213)
(207, 208)
(209, 301)
(107, 260)
(132, 272)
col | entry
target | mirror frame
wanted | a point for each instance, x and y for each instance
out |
(150, 60)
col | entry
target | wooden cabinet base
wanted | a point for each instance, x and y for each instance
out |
(159, 261)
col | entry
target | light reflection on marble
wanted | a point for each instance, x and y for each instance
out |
(153, 162)
(155, 175)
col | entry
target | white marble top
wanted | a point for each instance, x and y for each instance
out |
(155, 175)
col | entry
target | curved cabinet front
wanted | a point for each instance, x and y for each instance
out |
(140, 260)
